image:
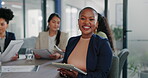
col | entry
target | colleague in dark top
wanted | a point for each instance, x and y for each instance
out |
(5, 37)
(88, 51)
(104, 30)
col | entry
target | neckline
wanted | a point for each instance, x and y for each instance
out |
(3, 36)
(85, 38)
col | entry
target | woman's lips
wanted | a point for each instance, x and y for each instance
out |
(86, 27)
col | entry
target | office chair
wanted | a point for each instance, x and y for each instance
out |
(28, 43)
(122, 58)
(114, 70)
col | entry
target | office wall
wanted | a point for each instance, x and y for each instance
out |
(76, 4)
(138, 38)
(113, 13)
(96, 4)
(137, 22)
(138, 16)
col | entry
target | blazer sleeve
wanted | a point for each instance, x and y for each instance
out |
(9, 36)
(104, 58)
(13, 36)
(63, 40)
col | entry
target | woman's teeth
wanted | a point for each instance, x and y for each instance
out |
(86, 27)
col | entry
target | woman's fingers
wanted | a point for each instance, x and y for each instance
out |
(69, 73)
(55, 56)
(14, 58)
(37, 56)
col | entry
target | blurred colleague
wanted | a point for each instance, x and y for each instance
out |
(104, 30)
(88, 51)
(5, 37)
(52, 37)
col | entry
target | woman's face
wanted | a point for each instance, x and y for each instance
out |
(54, 23)
(87, 21)
(3, 25)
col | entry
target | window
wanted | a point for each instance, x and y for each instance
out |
(33, 16)
(16, 24)
(71, 20)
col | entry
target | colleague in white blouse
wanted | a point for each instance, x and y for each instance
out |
(52, 37)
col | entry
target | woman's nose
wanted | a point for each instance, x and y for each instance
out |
(57, 25)
(87, 22)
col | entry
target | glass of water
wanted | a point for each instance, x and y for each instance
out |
(29, 54)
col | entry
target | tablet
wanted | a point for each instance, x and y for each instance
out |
(68, 67)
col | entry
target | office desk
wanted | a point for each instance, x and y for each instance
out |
(45, 69)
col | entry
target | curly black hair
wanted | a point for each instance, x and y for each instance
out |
(6, 14)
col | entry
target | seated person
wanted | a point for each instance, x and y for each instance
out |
(88, 51)
(104, 30)
(5, 37)
(53, 36)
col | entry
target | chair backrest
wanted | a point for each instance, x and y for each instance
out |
(122, 58)
(29, 42)
(22, 51)
(114, 70)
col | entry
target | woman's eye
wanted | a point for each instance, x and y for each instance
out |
(82, 18)
(53, 22)
(58, 22)
(91, 19)
(2, 24)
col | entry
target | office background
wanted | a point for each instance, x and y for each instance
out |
(31, 18)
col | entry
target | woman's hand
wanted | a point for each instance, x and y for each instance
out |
(37, 56)
(14, 57)
(55, 56)
(68, 73)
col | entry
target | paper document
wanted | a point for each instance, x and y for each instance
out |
(25, 68)
(68, 67)
(11, 50)
(43, 53)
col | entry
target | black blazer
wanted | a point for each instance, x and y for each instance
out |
(9, 36)
(99, 56)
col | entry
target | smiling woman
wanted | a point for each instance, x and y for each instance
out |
(87, 22)
(93, 52)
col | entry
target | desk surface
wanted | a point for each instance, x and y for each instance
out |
(45, 70)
